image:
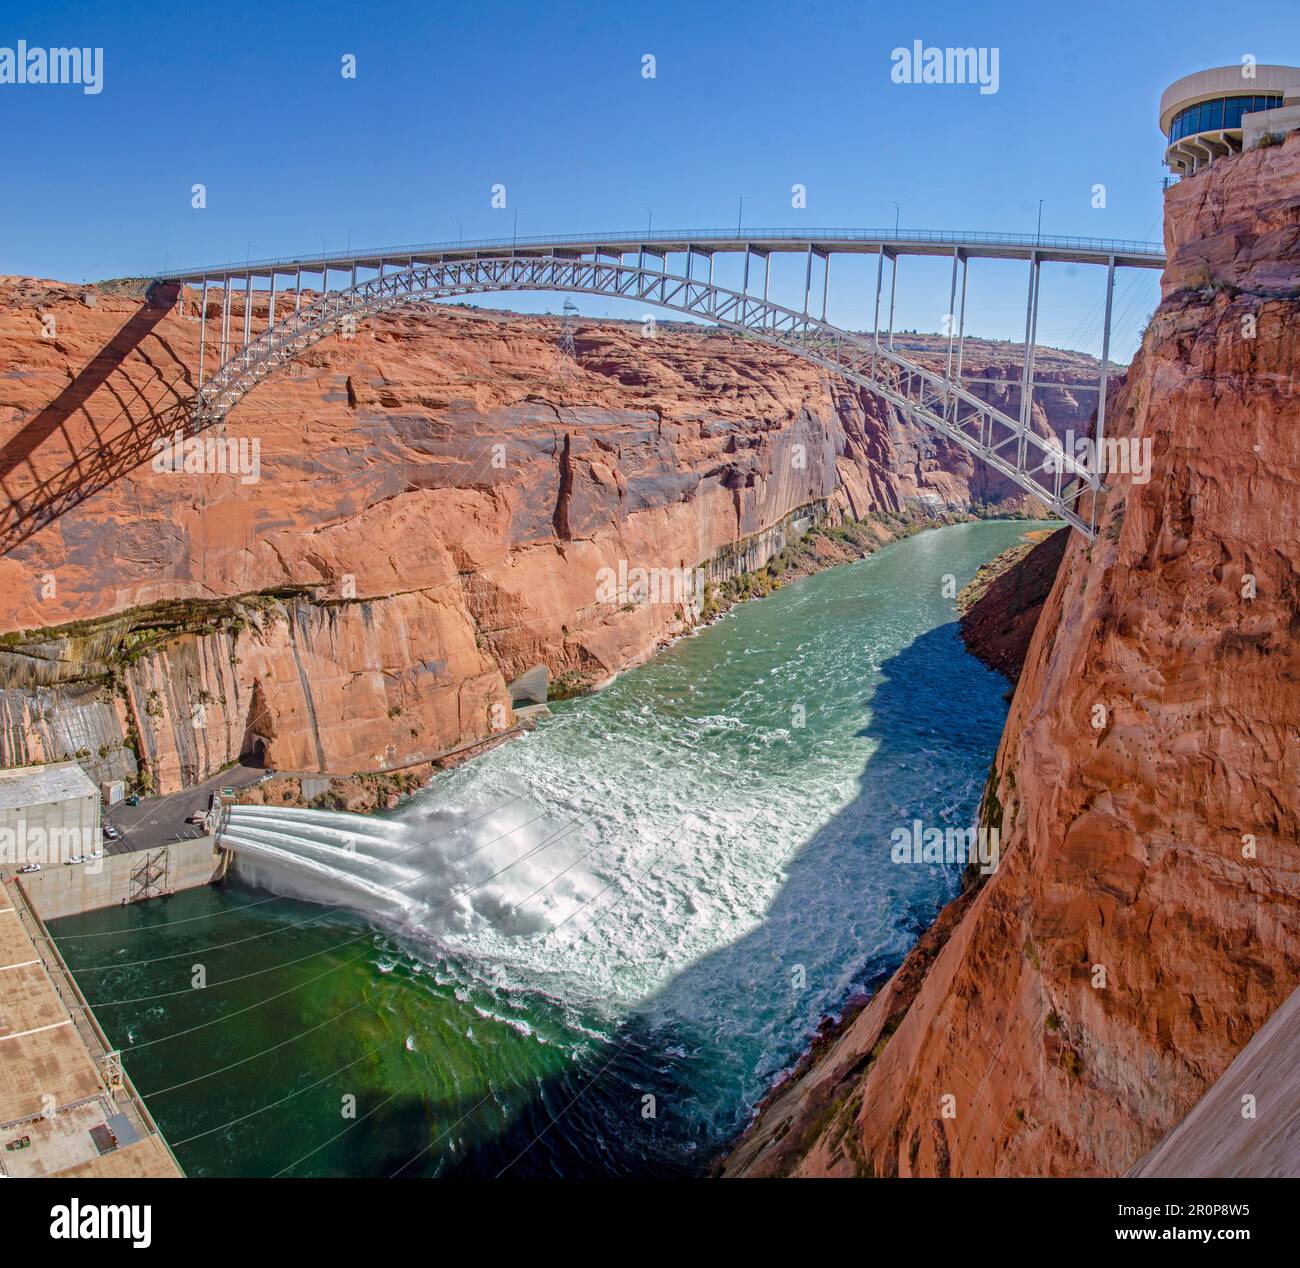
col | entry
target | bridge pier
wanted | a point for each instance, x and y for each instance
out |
(203, 331)
(961, 321)
(951, 316)
(225, 319)
(1100, 430)
(893, 289)
(1031, 336)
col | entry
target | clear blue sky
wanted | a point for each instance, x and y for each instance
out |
(549, 99)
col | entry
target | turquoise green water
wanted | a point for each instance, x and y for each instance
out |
(588, 952)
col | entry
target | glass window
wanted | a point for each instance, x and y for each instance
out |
(1222, 112)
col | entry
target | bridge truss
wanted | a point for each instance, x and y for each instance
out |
(613, 267)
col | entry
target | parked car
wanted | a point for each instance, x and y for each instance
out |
(76, 858)
(30, 867)
(111, 833)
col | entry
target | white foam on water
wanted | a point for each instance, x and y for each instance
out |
(677, 846)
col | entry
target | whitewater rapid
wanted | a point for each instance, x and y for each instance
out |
(704, 844)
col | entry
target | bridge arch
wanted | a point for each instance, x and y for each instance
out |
(931, 398)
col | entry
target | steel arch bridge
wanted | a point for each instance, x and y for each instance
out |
(616, 266)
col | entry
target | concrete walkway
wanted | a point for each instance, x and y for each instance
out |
(65, 1108)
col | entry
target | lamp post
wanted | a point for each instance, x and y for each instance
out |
(649, 218)
(897, 210)
(1038, 235)
(740, 211)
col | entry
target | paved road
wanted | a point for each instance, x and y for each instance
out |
(158, 820)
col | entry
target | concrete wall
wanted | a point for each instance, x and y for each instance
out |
(48, 833)
(64, 891)
(1215, 1139)
(1255, 126)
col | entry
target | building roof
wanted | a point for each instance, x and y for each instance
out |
(1225, 81)
(39, 785)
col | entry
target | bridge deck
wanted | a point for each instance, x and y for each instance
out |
(1125, 253)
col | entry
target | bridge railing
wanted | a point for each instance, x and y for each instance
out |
(1131, 248)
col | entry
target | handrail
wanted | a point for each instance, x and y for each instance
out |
(1152, 251)
(88, 1016)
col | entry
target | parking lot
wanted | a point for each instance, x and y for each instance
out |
(158, 820)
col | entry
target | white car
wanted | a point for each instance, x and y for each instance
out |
(30, 867)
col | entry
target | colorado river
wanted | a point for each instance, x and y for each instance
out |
(590, 951)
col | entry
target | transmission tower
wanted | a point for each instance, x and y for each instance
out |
(567, 361)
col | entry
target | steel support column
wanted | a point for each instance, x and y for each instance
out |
(225, 319)
(203, 328)
(248, 307)
(826, 281)
(893, 290)
(950, 319)
(1105, 355)
(961, 319)
(1099, 437)
(875, 321)
(807, 282)
(1027, 372)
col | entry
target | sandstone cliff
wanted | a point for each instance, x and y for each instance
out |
(1000, 608)
(1145, 920)
(435, 500)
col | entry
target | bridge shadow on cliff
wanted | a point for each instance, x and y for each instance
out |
(589, 1121)
(100, 447)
